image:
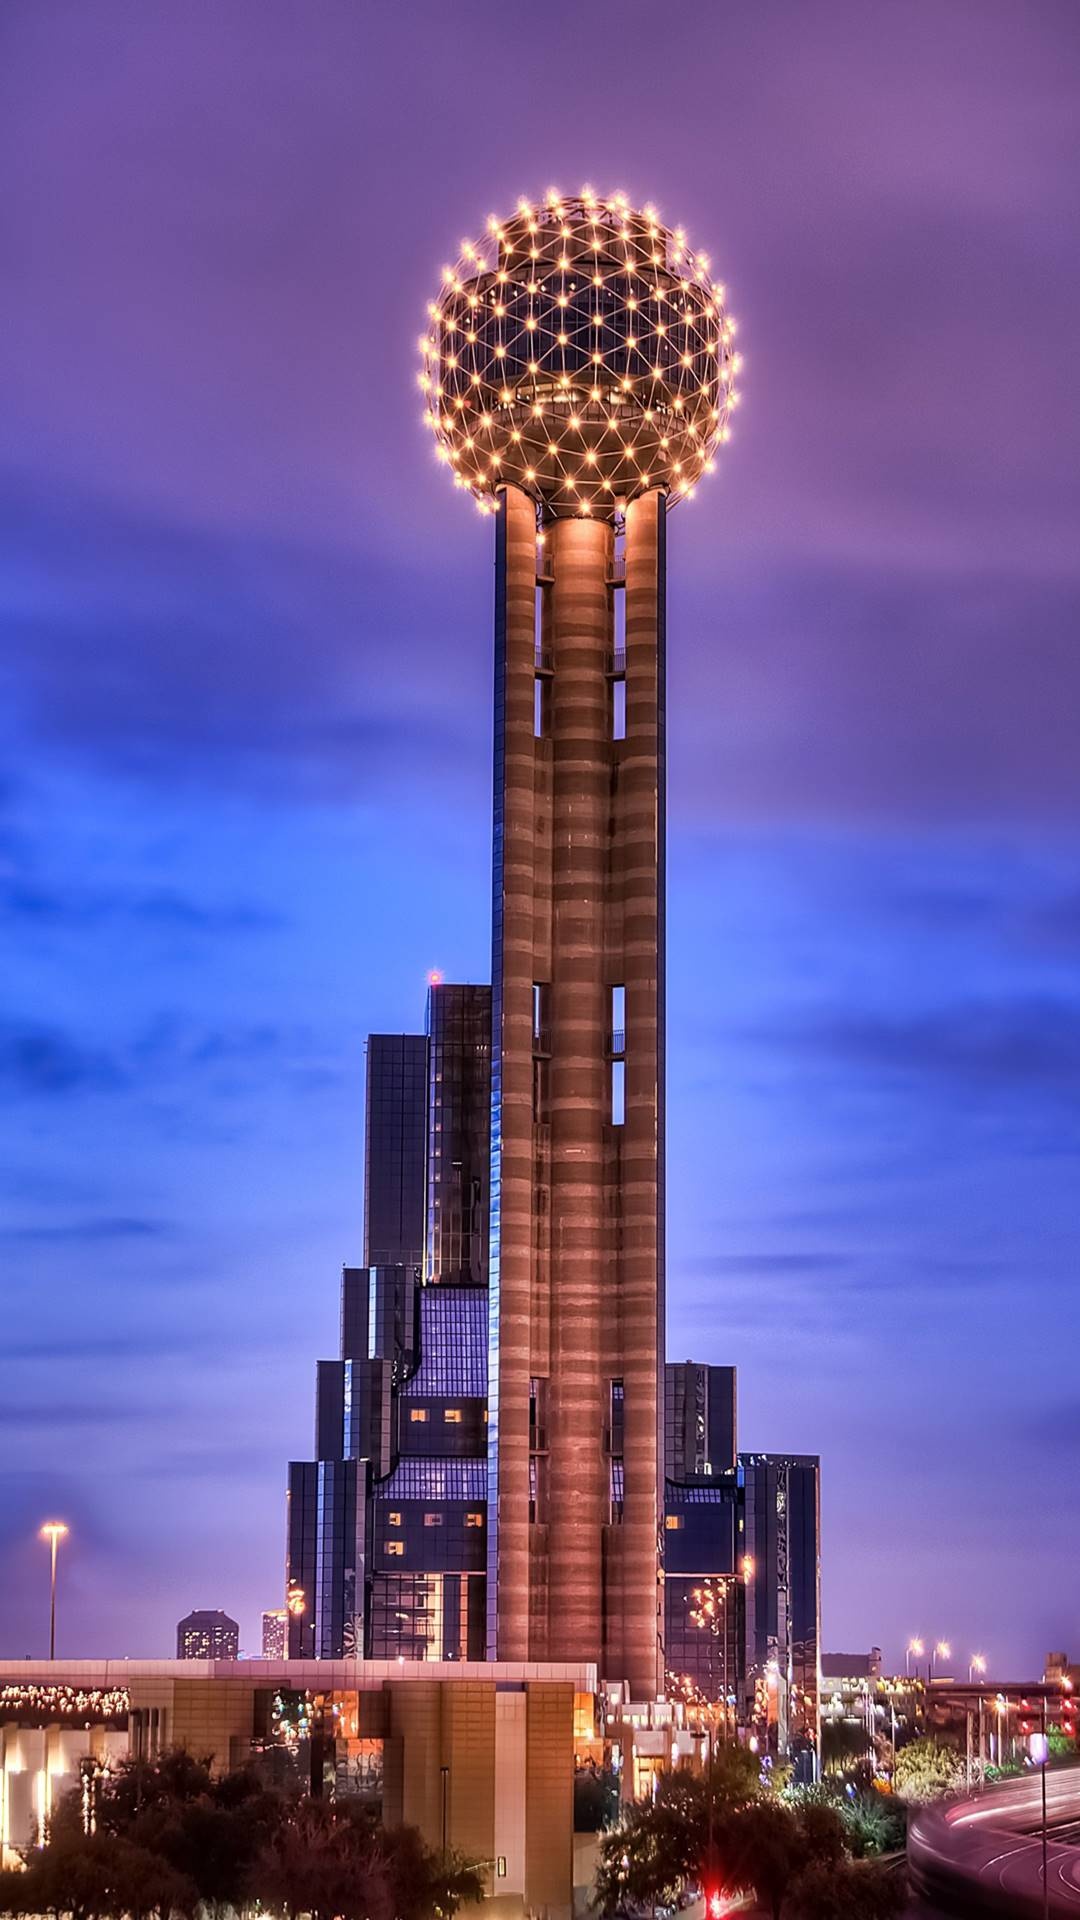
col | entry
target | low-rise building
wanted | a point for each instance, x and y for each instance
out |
(478, 1755)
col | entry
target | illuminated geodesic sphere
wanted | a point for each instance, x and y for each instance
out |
(582, 352)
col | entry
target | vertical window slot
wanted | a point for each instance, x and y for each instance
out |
(617, 1027)
(618, 1093)
(618, 629)
(618, 709)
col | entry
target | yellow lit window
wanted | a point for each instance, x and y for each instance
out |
(433, 1519)
(673, 1521)
(474, 1519)
(393, 1519)
(452, 1416)
(417, 1413)
(396, 1548)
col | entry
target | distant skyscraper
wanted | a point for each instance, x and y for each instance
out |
(744, 1530)
(394, 1150)
(207, 1634)
(274, 1635)
(387, 1526)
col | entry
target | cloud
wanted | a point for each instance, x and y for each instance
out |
(59, 1413)
(45, 1062)
(92, 1232)
(765, 1263)
(37, 905)
(171, 653)
(1007, 1047)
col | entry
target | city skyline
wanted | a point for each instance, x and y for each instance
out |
(247, 698)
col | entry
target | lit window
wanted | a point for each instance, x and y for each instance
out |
(417, 1413)
(673, 1522)
(452, 1416)
(393, 1519)
(396, 1548)
(474, 1519)
(433, 1519)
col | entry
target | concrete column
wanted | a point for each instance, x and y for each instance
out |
(513, 943)
(580, 1097)
(638, 883)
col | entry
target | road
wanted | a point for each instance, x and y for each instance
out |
(986, 1851)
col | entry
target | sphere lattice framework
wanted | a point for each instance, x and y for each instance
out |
(582, 352)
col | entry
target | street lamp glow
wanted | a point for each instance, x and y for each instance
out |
(53, 1531)
(943, 1649)
(977, 1664)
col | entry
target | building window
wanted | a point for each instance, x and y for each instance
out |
(541, 1094)
(617, 1029)
(433, 1519)
(417, 1413)
(673, 1522)
(395, 1548)
(541, 1016)
(393, 1519)
(618, 1093)
(474, 1519)
(618, 709)
(452, 1416)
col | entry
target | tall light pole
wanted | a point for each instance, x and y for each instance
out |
(913, 1647)
(941, 1648)
(977, 1664)
(53, 1531)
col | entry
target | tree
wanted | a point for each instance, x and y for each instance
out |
(845, 1890)
(925, 1769)
(596, 1799)
(172, 1840)
(316, 1862)
(662, 1843)
(764, 1850)
(330, 1857)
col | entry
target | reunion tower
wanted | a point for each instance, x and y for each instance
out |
(579, 370)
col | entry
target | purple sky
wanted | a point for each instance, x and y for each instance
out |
(246, 720)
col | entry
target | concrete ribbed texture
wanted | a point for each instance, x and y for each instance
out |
(580, 908)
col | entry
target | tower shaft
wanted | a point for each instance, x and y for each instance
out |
(577, 1093)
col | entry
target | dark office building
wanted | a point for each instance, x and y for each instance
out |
(387, 1525)
(207, 1634)
(458, 1135)
(783, 1594)
(699, 1420)
(742, 1602)
(395, 1150)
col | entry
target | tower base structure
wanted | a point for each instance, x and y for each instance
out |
(576, 1268)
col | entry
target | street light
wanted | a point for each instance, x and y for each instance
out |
(977, 1664)
(53, 1531)
(942, 1649)
(913, 1647)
